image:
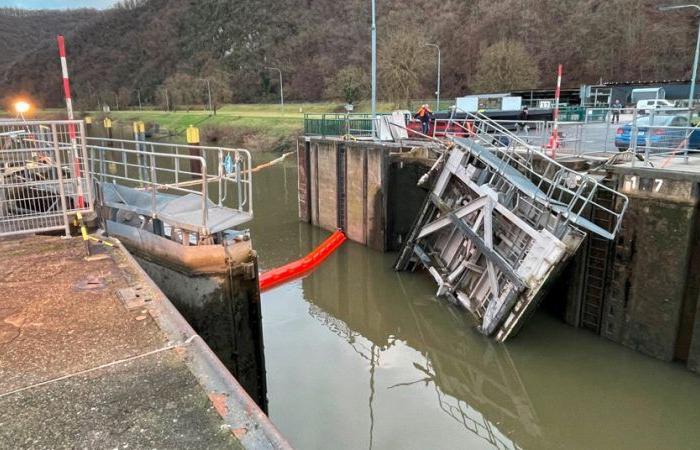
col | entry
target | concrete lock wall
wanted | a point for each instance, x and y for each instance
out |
(344, 185)
(224, 308)
(216, 289)
(368, 189)
(652, 276)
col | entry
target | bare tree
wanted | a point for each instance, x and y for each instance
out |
(403, 62)
(505, 66)
(349, 83)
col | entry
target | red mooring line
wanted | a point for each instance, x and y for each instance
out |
(299, 267)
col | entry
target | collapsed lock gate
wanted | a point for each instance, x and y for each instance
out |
(494, 228)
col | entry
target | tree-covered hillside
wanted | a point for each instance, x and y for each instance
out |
(145, 47)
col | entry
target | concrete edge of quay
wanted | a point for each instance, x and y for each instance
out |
(249, 424)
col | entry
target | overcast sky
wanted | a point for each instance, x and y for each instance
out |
(56, 4)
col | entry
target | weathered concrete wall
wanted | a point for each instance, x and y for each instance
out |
(356, 195)
(224, 309)
(653, 270)
(216, 290)
(353, 192)
(652, 274)
(304, 174)
(377, 187)
(644, 306)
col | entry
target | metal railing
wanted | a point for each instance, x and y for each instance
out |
(659, 136)
(571, 194)
(220, 177)
(356, 125)
(44, 178)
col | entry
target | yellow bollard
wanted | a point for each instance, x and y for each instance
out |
(111, 165)
(193, 142)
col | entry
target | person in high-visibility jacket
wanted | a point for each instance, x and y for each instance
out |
(424, 114)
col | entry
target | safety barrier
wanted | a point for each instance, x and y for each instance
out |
(571, 193)
(301, 266)
(202, 190)
(43, 175)
(358, 125)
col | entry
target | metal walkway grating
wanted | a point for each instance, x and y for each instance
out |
(180, 211)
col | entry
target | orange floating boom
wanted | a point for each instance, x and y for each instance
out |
(299, 267)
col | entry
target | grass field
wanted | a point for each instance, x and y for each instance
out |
(270, 119)
(264, 126)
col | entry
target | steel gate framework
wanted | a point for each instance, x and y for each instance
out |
(500, 219)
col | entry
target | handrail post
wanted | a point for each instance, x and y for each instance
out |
(238, 184)
(153, 164)
(154, 215)
(220, 173)
(205, 199)
(125, 162)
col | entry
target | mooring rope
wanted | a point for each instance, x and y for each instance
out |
(103, 366)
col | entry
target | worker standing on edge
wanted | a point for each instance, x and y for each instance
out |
(424, 114)
(522, 117)
(616, 108)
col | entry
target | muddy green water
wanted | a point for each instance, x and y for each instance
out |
(361, 357)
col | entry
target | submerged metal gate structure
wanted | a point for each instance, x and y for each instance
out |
(500, 220)
(44, 178)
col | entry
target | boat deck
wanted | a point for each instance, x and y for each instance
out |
(180, 211)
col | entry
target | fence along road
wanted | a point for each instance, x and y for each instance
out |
(44, 177)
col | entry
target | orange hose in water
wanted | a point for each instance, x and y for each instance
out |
(299, 267)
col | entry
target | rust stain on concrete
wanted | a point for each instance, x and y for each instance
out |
(219, 402)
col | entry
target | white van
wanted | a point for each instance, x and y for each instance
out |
(644, 106)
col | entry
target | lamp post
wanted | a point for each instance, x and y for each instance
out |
(374, 67)
(281, 87)
(697, 51)
(437, 92)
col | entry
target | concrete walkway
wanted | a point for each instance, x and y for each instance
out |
(80, 370)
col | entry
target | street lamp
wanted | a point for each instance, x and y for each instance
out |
(22, 107)
(281, 88)
(697, 51)
(437, 92)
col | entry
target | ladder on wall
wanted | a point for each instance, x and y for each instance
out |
(597, 268)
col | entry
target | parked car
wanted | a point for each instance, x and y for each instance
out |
(663, 135)
(645, 106)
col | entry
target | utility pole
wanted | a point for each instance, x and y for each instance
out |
(437, 92)
(281, 87)
(691, 97)
(138, 94)
(167, 100)
(374, 68)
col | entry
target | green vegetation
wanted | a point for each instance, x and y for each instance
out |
(260, 127)
(141, 48)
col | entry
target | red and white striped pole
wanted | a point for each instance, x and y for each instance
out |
(69, 109)
(554, 140)
(64, 72)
